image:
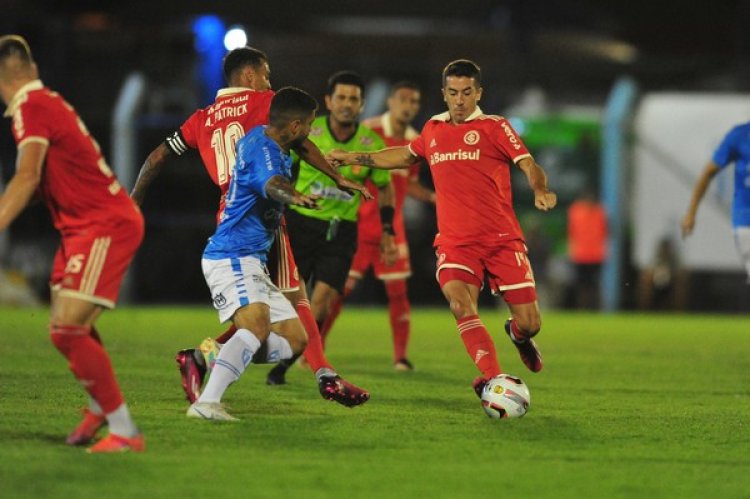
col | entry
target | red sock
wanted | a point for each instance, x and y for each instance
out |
(336, 310)
(89, 363)
(227, 335)
(399, 311)
(479, 345)
(314, 351)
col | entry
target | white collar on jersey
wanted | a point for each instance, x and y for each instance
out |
(231, 90)
(446, 116)
(385, 121)
(20, 96)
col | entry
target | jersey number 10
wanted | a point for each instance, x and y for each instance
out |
(223, 142)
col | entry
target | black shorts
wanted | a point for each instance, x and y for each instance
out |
(317, 258)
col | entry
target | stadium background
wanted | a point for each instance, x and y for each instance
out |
(554, 63)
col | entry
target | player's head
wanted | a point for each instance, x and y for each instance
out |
(403, 101)
(292, 112)
(462, 88)
(17, 66)
(247, 67)
(345, 97)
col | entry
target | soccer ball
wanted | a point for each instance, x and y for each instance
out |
(505, 396)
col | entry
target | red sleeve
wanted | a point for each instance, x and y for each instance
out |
(416, 146)
(31, 122)
(508, 140)
(189, 129)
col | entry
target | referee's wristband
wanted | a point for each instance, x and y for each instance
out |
(386, 219)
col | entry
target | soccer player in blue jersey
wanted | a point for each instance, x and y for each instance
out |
(735, 148)
(234, 259)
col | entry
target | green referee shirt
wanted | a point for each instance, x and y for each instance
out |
(335, 202)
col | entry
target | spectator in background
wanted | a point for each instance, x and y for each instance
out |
(587, 247)
(663, 285)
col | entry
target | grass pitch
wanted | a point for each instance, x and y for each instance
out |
(628, 406)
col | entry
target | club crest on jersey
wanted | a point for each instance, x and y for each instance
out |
(316, 131)
(471, 137)
(366, 141)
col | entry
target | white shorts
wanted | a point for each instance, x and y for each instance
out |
(238, 282)
(742, 240)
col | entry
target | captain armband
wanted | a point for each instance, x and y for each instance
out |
(176, 143)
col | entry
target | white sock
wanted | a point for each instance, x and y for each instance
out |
(94, 407)
(120, 422)
(231, 362)
(278, 348)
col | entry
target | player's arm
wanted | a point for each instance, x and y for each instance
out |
(150, 169)
(280, 189)
(387, 205)
(544, 199)
(22, 186)
(419, 192)
(701, 186)
(389, 158)
(309, 152)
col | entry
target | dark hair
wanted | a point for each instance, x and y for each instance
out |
(14, 46)
(290, 104)
(345, 78)
(404, 84)
(241, 57)
(463, 67)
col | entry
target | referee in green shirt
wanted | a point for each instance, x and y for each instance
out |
(324, 240)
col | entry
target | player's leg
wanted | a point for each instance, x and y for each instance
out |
(328, 261)
(399, 309)
(510, 274)
(399, 313)
(364, 258)
(337, 306)
(95, 267)
(241, 290)
(460, 275)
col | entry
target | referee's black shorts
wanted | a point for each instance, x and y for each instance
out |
(319, 259)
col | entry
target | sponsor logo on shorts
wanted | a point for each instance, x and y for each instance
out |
(220, 301)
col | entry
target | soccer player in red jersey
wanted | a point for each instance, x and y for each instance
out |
(470, 155)
(395, 128)
(100, 229)
(214, 131)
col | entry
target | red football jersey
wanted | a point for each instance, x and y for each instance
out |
(470, 165)
(369, 227)
(79, 188)
(215, 130)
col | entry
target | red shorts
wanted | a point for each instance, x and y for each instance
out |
(507, 269)
(368, 255)
(92, 265)
(281, 264)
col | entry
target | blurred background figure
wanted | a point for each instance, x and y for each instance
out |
(664, 285)
(587, 247)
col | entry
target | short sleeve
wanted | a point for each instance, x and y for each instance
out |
(727, 151)
(189, 130)
(32, 123)
(416, 146)
(508, 141)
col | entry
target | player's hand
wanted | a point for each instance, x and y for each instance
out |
(350, 186)
(337, 158)
(306, 200)
(545, 199)
(688, 224)
(388, 249)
